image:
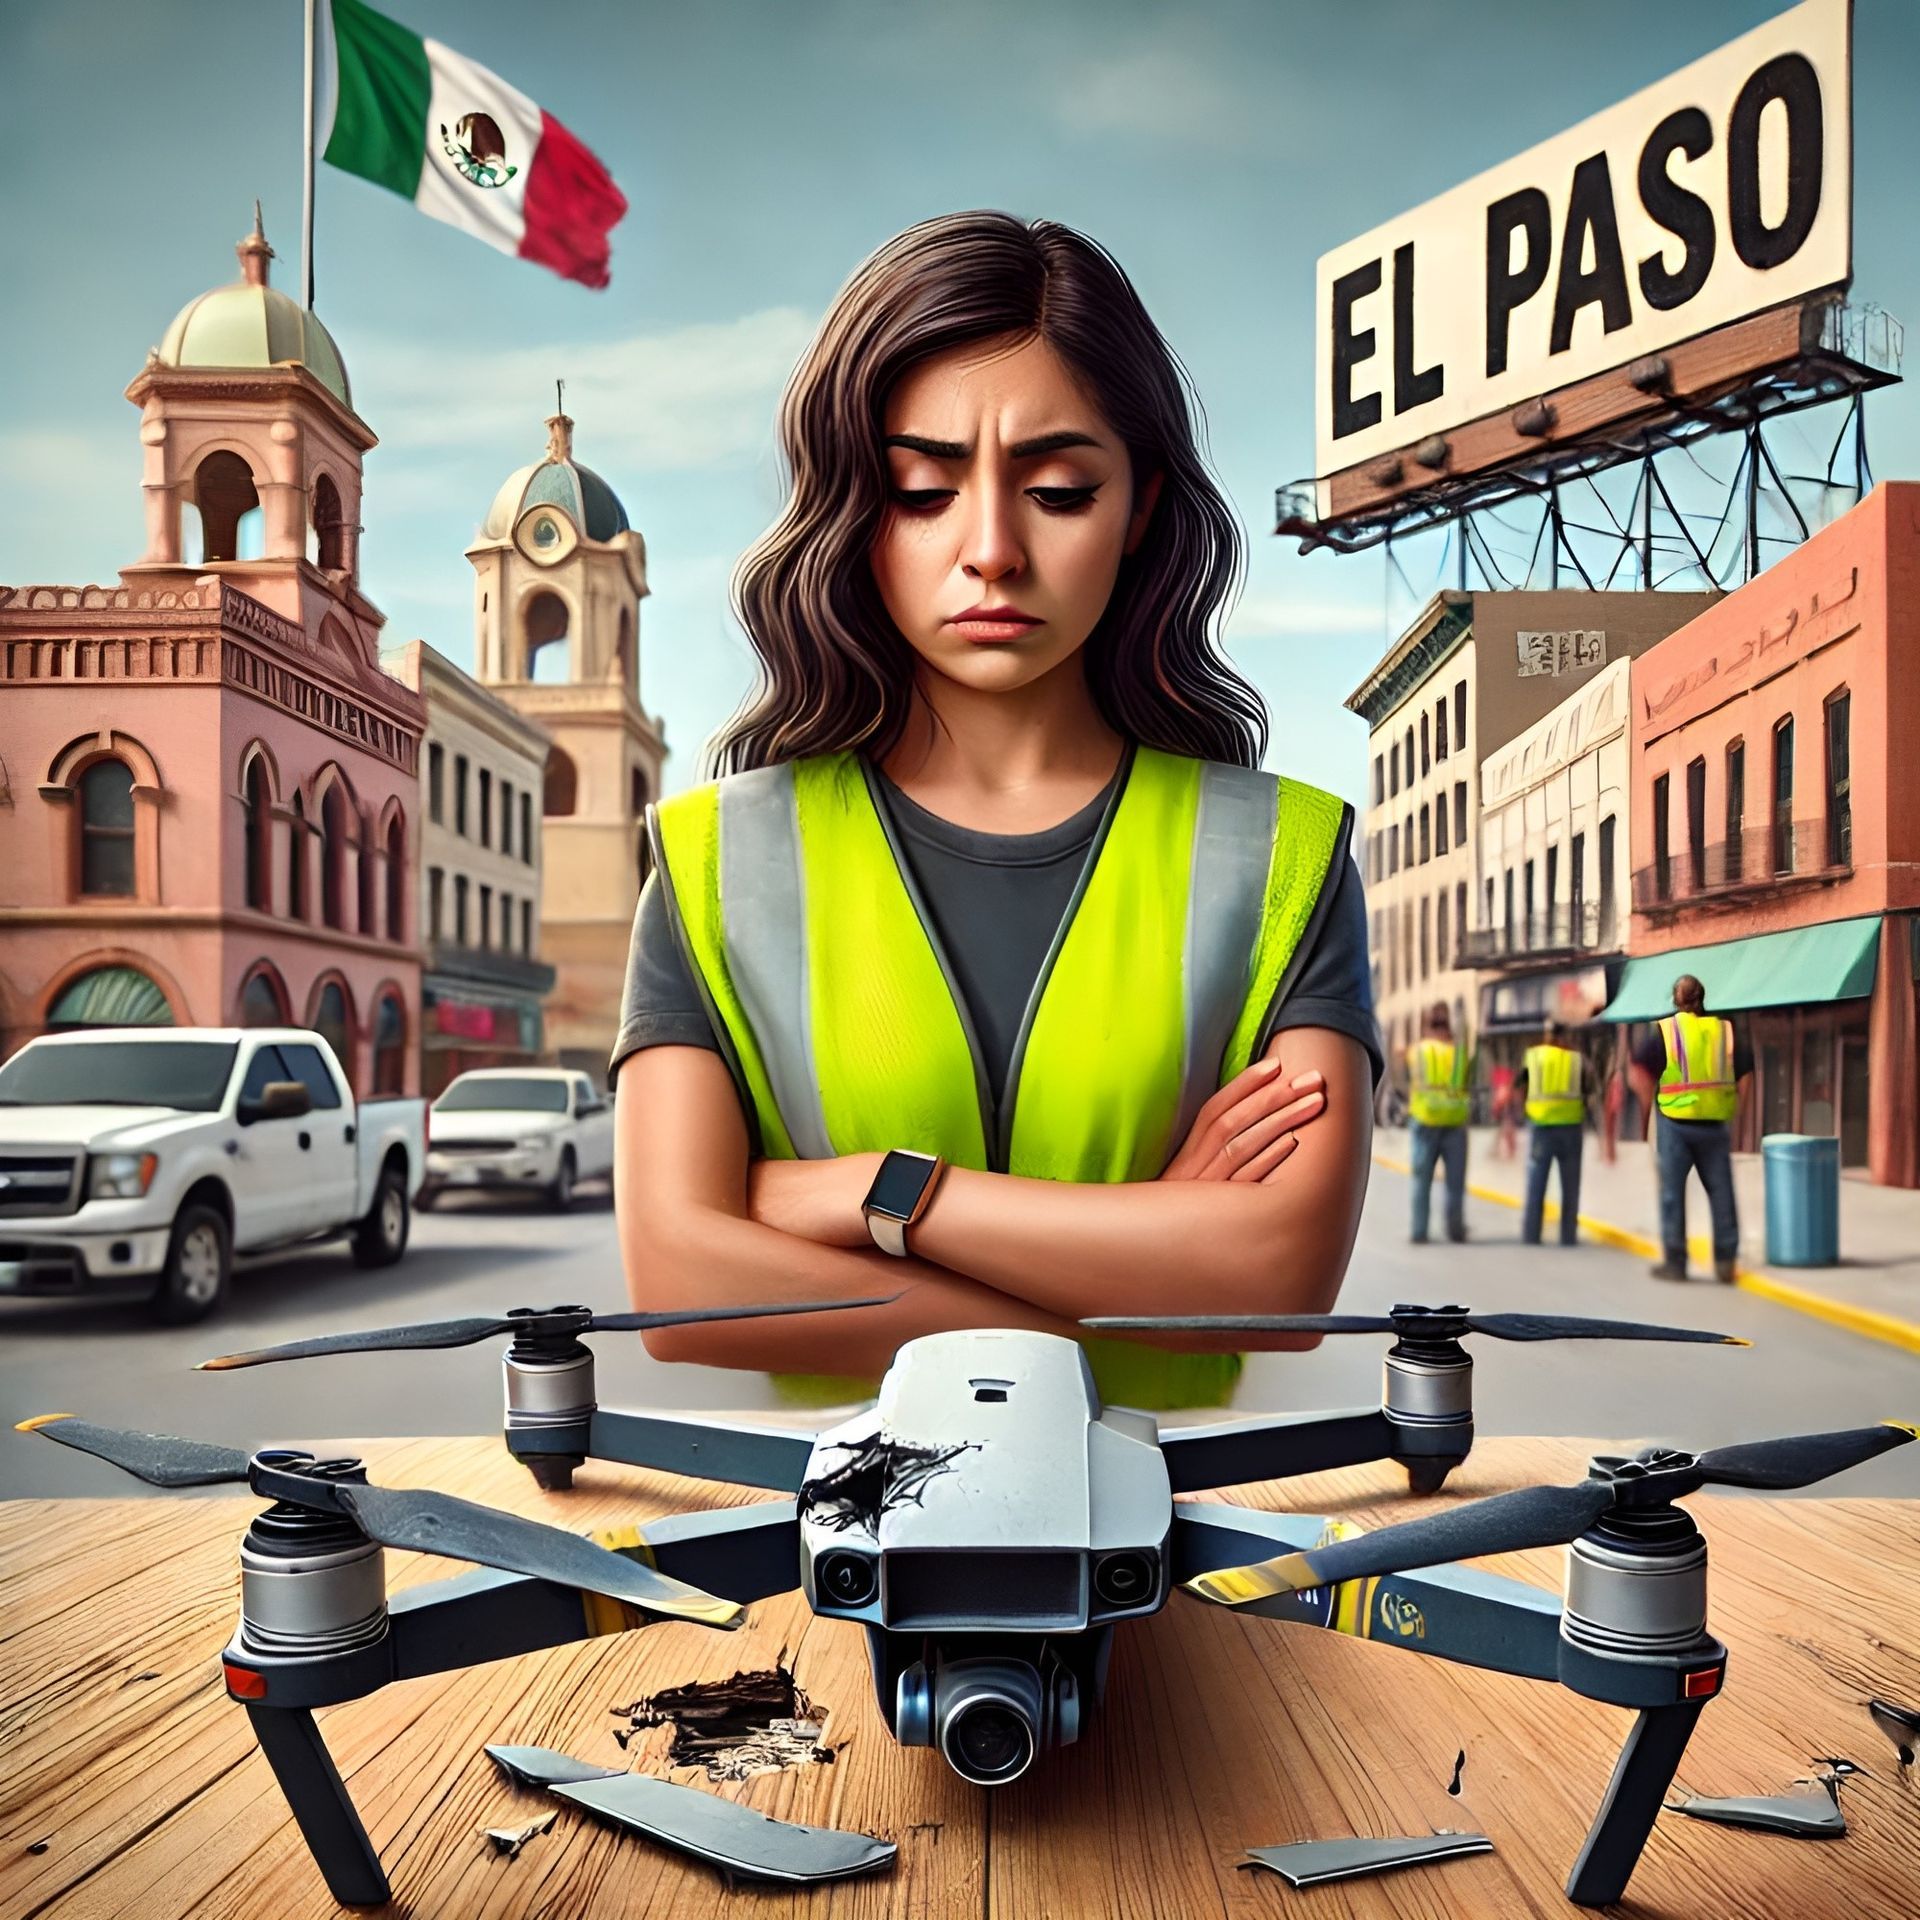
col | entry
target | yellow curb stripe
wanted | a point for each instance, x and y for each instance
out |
(1884, 1327)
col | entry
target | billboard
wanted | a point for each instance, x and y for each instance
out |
(1718, 192)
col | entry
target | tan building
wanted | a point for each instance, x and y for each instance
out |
(559, 577)
(482, 775)
(1471, 673)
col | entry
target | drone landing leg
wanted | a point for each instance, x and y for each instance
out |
(1640, 1780)
(318, 1797)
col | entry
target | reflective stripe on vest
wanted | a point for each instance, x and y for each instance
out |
(1553, 1087)
(1439, 1094)
(845, 1028)
(1697, 1081)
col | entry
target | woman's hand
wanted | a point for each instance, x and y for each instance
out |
(1247, 1129)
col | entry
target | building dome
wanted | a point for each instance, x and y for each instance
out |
(559, 481)
(251, 324)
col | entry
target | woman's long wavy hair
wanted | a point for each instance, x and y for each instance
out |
(836, 674)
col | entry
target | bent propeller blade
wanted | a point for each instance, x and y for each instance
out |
(160, 1459)
(422, 1521)
(1803, 1459)
(432, 1333)
(1532, 1517)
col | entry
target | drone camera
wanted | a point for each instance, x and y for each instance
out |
(988, 1718)
(847, 1579)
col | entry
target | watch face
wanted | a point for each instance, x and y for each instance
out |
(897, 1187)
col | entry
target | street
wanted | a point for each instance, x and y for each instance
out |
(480, 1253)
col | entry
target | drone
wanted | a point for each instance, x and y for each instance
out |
(988, 1590)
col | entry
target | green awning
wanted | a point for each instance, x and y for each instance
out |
(1833, 961)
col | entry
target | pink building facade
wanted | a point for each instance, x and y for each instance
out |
(211, 807)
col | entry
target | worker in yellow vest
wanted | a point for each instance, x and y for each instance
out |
(1439, 1098)
(1691, 1069)
(1556, 1121)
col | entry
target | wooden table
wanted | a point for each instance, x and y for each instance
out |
(120, 1752)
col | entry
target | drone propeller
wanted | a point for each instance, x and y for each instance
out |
(1419, 1323)
(416, 1519)
(522, 1321)
(1553, 1516)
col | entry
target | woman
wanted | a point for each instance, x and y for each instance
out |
(991, 877)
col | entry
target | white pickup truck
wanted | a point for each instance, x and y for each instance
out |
(540, 1129)
(143, 1160)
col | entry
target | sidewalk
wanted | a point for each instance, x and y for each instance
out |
(1875, 1290)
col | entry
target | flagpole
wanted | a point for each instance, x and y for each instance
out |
(306, 199)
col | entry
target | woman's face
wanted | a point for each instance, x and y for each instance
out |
(1012, 502)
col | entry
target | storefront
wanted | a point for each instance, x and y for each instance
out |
(473, 1023)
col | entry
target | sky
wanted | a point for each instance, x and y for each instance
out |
(766, 147)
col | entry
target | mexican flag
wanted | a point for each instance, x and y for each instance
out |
(465, 147)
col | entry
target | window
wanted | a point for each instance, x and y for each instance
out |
(389, 1045)
(506, 816)
(1426, 747)
(1606, 882)
(333, 856)
(1532, 925)
(260, 1002)
(486, 808)
(1393, 767)
(297, 860)
(436, 900)
(1426, 835)
(1440, 728)
(1459, 813)
(460, 909)
(1697, 824)
(1736, 808)
(1460, 910)
(486, 916)
(526, 828)
(1577, 890)
(1379, 780)
(309, 1069)
(1442, 958)
(460, 794)
(1426, 952)
(259, 836)
(1460, 717)
(1406, 941)
(1489, 919)
(109, 997)
(1507, 919)
(436, 782)
(106, 828)
(263, 1069)
(396, 878)
(1408, 750)
(526, 926)
(1839, 781)
(1440, 827)
(1783, 796)
(1662, 859)
(1393, 849)
(506, 921)
(562, 784)
(1553, 889)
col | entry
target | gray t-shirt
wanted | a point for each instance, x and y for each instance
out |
(996, 900)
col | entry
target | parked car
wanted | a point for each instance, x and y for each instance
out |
(537, 1129)
(145, 1159)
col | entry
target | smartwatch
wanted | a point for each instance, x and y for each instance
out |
(898, 1197)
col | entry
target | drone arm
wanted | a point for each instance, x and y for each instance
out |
(1640, 1780)
(1232, 1453)
(739, 1455)
(318, 1797)
(1454, 1613)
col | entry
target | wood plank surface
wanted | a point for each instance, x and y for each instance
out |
(120, 1752)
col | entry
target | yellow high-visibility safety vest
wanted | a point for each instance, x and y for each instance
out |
(1697, 1081)
(1438, 1069)
(1553, 1087)
(845, 1031)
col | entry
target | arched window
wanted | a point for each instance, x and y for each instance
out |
(389, 1045)
(562, 784)
(329, 526)
(224, 492)
(106, 829)
(261, 1002)
(297, 860)
(623, 648)
(547, 662)
(396, 878)
(369, 880)
(332, 1019)
(111, 997)
(333, 857)
(259, 836)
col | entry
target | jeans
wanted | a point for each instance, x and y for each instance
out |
(1448, 1146)
(1551, 1146)
(1705, 1146)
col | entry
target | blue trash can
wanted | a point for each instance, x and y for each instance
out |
(1802, 1173)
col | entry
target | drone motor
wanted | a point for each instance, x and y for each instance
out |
(311, 1583)
(1637, 1579)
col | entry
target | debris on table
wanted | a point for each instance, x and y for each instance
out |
(1803, 1816)
(880, 1473)
(753, 1723)
(1311, 1863)
(509, 1840)
(1901, 1725)
(1459, 1767)
(1833, 1771)
(725, 1834)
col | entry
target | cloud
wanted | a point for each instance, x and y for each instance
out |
(693, 397)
